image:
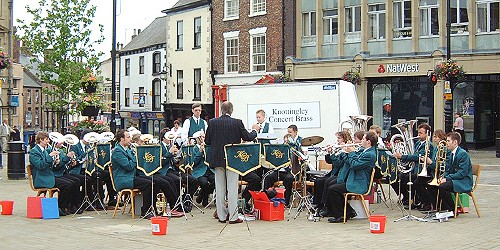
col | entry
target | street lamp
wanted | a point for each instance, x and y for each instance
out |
(448, 104)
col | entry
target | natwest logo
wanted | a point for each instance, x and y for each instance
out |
(402, 68)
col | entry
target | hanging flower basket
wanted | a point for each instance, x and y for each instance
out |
(447, 71)
(5, 61)
(89, 87)
(353, 76)
(90, 111)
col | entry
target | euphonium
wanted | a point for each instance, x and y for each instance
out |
(423, 162)
(440, 163)
(405, 146)
(161, 204)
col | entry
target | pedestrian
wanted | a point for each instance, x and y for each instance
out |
(5, 131)
(458, 127)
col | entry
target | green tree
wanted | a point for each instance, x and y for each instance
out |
(59, 38)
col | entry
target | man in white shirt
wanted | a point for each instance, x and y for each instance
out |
(5, 131)
(194, 124)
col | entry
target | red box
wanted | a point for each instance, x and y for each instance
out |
(267, 209)
(34, 207)
(280, 193)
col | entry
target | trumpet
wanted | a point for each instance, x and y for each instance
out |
(440, 163)
(161, 205)
(340, 148)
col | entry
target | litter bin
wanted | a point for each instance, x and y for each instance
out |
(498, 142)
(15, 161)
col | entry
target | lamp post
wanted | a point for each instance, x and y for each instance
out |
(112, 124)
(164, 77)
(448, 104)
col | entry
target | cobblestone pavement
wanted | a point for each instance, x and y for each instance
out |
(202, 231)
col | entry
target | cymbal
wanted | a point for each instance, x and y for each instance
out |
(312, 140)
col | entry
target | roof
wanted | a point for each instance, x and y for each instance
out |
(185, 4)
(154, 34)
(30, 80)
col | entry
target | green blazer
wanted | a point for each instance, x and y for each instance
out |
(79, 155)
(337, 162)
(344, 169)
(60, 168)
(360, 170)
(124, 165)
(200, 167)
(419, 150)
(41, 168)
(459, 171)
(167, 160)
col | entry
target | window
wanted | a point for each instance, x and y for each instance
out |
(197, 32)
(37, 95)
(37, 116)
(459, 18)
(258, 52)
(180, 84)
(28, 98)
(156, 63)
(232, 54)
(127, 67)
(309, 28)
(156, 95)
(353, 24)
(180, 34)
(197, 85)
(331, 26)
(429, 24)
(487, 16)
(257, 7)
(231, 9)
(376, 21)
(141, 65)
(402, 19)
(142, 97)
(127, 97)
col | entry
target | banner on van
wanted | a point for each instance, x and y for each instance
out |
(282, 115)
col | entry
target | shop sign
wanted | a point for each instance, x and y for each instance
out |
(398, 68)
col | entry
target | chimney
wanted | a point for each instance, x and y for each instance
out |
(134, 34)
(138, 31)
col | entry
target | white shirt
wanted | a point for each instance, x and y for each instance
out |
(187, 123)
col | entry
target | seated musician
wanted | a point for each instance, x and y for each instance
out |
(77, 170)
(124, 169)
(337, 159)
(428, 192)
(378, 130)
(60, 171)
(177, 129)
(358, 178)
(287, 174)
(204, 174)
(169, 169)
(458, 174)
(341, 176)
(42, 161)
(419, 150)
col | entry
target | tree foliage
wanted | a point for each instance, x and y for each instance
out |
(59, 38)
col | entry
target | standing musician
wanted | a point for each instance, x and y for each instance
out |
(222, 131)
(358, 179)
(337, 159)
(295, 143)
(422, 134)
(458, 174)
(427, 192)
(194, 124)
(124, 170)
(204, 174)
(42, 162)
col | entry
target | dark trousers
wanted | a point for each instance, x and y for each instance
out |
(187, 180)
(163, 184)
(335, 199)
(445, 192)
(287, 179)
(207, 185)
(99, 178)
(421, 189)
(78, 199)
(143, 183)
(253, 185)
(66, 191)
(321, 185)
(84, 179)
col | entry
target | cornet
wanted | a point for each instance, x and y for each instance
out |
(161, 205)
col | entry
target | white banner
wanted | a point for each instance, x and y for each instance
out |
(282, 115)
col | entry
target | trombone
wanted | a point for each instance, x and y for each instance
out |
(423, 161)
(440, 163)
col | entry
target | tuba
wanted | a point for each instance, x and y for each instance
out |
(405, 145)
(440, 163)
(356, 122)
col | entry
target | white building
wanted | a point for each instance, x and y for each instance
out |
(188, 25)
(141, 91)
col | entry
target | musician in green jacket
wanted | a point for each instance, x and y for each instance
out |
(458, 174)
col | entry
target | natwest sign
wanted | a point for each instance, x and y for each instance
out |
(399, 68)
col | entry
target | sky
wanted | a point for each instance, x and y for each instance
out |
(131, 14)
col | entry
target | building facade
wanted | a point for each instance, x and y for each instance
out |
(141, 62)
(250, 39)
(188, 60)
(393, 44)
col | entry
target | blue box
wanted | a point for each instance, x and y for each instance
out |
(50, 208)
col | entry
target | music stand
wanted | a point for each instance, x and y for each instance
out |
(148, 158)
(408, 216)
(89, 169)
(303, 198)
(102, 159)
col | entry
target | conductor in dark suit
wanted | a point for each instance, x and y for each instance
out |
(222, 131)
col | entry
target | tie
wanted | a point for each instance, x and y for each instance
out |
(452, 157)
(197, 122)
